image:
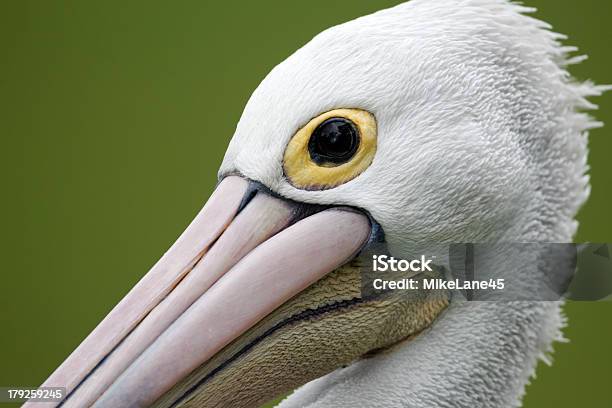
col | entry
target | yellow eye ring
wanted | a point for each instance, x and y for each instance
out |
(316, 162)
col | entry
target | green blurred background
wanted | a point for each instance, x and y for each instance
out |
(114, 119)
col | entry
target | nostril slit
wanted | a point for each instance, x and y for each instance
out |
(251, 192)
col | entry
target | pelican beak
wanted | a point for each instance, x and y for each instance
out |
(258, 296)
(244, 255)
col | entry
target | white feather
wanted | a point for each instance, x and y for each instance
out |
(481, 137)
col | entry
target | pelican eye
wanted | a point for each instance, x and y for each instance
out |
(335, 141)
(331, 149)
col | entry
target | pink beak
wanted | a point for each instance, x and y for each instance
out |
(245, 254)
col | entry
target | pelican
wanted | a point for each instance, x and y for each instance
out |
(432, 121)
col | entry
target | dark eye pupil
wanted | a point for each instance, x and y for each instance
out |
(335, 141)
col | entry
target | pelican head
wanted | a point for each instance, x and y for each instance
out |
(433, 121)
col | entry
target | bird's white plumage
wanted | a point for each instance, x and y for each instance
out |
(481, 138)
